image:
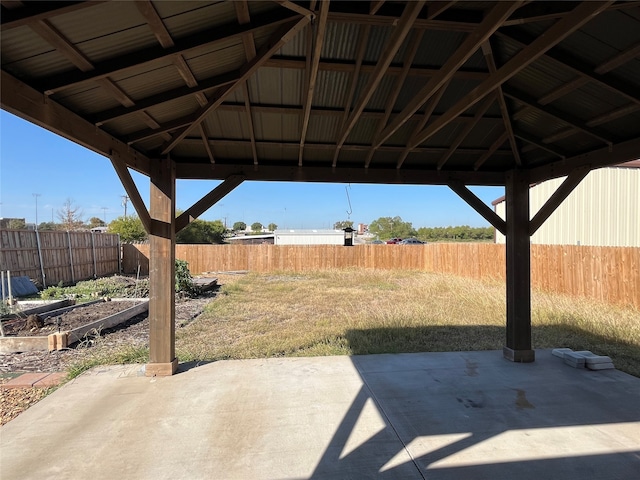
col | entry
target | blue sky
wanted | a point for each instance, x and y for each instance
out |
(35, 161)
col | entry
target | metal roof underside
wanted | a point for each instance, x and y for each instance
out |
(376, 92)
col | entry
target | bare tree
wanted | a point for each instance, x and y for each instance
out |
(70, 216)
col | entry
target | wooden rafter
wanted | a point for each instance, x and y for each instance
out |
(375, 6)
(53, 37)
(491, 64)
(33, 12)
(157, 26)
(391, 101)
(539, 143)
(209, 38)
(17, 97)
(570, 120)
(204, 135)
(296, 8)
(428, 113)
(353, 81)
(405, 23)
(570, 62)
(188, 77)
(492, 150)
(583, 13)
(242, 12)
(492, 21)
(320, 30)
(282, 35)
(466, 130)
(436, 8)
(345, 66)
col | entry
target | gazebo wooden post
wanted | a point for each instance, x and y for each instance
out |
(518, 263)
(162, 358)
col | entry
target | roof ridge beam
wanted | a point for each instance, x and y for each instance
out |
(492, 21)
(560, 30)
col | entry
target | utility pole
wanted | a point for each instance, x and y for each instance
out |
(104, 215)
(36, 195)
(125, 199)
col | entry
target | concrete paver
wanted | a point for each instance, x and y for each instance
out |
(406, 416)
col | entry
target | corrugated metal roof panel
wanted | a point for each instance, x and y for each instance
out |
(378, 100)
(482, 133)
(276, 86)
(158, 80)
(164, 112)
(190, 17)
(297, 46)
(331, 89)
(589, 101)
(341, 41)
(437, 46)
(206, 65)
(236, 152)
(378, 38)
(226, 124)
(362, 132)
(540, 124)
(87, 99)
(275, 153)
(276, 127)
(19, 44)
(322, 128)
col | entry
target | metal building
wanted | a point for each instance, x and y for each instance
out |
(604, 210)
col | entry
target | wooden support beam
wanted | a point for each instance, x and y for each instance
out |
(479, 206)
(157, 26)
(561, 193)
(492, 150)
(205, 141)
(29, 104)
(353, 82)
(491, 64)
(466, 130)
(339, 174)
(296, 8)
(320, 29)
(539, 143)
(391, 101)
(54, 38)
(620, 59)
(582, 14)
(518, 259)
(375, 6)
(129, 185)
(208, 201)
(133, 60)
(282, 35)
(567, 118)
(428, 112)
(569, 62)
(619, 153)
(405, 23)
(242, 12)
(492, 21)
(162, 239)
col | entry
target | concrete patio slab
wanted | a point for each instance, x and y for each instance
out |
(407, 416)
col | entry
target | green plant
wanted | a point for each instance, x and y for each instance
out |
(184, 280)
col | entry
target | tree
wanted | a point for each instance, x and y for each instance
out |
(129, 228)
(343, 224)
(239, 226)
(17, 224)
(70, 216)
(48, 226)
(95, 222)
(202, 231)
(388, 227)
(256, 227)
(272, 227)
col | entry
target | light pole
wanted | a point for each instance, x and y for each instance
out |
(104, 215)
(36, 195)
(125, 199)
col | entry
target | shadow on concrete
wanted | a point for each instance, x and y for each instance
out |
(458, 416)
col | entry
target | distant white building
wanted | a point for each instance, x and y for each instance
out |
(309, 237)
(603, 210)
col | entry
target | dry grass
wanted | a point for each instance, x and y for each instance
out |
(346, 312)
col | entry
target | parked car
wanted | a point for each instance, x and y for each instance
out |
(411, 241)
(377, 242)
(393, 241)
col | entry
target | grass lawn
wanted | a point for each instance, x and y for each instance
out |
(348, 312)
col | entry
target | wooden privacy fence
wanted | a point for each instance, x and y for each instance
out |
(608, 274)
(53, 257)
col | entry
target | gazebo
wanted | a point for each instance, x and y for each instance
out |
(453, 93)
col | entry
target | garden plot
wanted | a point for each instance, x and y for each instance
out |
(57, 329)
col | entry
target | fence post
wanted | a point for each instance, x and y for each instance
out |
(44, 276)
(73, 276)
(119, 256)
(93, 252)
